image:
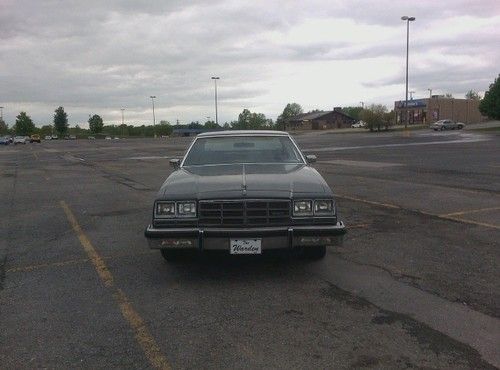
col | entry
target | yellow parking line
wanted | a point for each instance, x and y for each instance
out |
(43, 265)
(470, 222)
(142, 334)
(471, 211)
(386, 205)
(451, 217)
(69, 262)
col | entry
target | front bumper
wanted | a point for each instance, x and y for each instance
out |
(218, 238)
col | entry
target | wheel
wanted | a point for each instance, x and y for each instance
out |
(460, 127)
(314, 253)
(435, 129)
(172, 255)
(442, 128)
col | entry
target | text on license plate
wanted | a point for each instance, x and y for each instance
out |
(245, 246)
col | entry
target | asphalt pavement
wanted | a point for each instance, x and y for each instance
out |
(415, 285)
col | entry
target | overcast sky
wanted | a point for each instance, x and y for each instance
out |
(99, 56)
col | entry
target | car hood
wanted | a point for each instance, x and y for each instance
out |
(244, 180)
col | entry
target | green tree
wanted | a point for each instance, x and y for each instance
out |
(375, 116)
(354, 112)
(490, 104)
(252, 121)
(24, 125)
(473, 95)
(195, 124)
(291, 110)
(211, 125)
(164, 128)
(96, 124)
(61, 121)
(46, 130)
(3, 127)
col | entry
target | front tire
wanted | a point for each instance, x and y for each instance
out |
(314, 253)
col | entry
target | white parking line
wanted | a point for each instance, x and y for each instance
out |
(149, 157)
(395, 145)
(343, 162)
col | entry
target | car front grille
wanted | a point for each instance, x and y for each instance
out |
(244, 213)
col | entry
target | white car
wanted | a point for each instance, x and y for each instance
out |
(359, 124)
(19, 140)
(48, 137)
(447, 124)
(108, 138)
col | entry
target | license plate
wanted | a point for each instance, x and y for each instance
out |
(245, 246)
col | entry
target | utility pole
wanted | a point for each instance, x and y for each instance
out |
(408, 20)
(216, 113)
(153, 97)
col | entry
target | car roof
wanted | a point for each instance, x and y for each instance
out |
(243, 133)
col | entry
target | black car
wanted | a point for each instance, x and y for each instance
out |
(244, 192)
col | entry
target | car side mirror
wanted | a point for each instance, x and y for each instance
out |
(311, 158)
(175, 163)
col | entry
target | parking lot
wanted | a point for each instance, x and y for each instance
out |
(416, 283)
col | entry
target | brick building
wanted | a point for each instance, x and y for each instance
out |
(320, 120)
(438, 107)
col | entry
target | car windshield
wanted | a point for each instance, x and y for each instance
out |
(242, 149)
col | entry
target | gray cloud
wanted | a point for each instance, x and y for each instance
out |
(96, 56)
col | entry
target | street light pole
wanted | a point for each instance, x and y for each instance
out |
(216, 113)
(122, 109)
(408, 20)
(153, 97)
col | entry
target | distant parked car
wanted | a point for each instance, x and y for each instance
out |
(447, 124)
(5, 140)
(359, 124)
(48, 137)
(107, 138)
(54, 137)
(116, 138)
(19, 140)
(91, 137)
(72, 137)
(35, 139)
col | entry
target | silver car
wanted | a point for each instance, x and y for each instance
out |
(447, 124)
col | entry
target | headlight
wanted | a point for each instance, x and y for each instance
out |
(186, 209)
(323, 207)
(165, 209)
(302, 208)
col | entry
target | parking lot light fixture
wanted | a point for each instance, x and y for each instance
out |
(153, 97)
(408, 20)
